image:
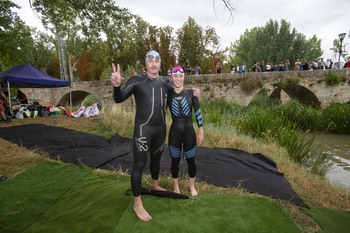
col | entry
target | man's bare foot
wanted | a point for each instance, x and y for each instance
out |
(156, 187)
(141, 213)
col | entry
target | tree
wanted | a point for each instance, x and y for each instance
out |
(196, 45)
(337, 48)
(273, 43)
(43, 50)
(16, 42)
(91, 21)
(166, 49)
(75, 47)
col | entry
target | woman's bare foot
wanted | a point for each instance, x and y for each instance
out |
(192, 188)
(193, 192)
(141, 213)
(155, 186)
(176, 185)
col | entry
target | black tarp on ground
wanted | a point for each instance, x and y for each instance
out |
(219, 166)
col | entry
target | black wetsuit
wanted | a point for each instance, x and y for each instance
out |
(149, 130)
(182, 134)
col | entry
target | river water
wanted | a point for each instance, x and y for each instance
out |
(338, 148)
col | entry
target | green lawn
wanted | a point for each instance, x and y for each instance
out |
(54, 197)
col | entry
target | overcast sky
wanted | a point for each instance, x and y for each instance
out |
(323, 18)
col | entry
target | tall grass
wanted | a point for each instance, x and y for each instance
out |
(282, 124)
(333, 119)
(220, 112)
(115, 119)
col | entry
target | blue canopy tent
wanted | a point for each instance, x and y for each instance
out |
(28, 77)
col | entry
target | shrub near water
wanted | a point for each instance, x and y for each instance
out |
(333, 119)
(264, 123)
(305, 117)
(337, 117)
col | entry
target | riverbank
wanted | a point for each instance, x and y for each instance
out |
(337, 146)
(316, 192)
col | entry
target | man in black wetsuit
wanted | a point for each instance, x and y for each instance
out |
(150, 91)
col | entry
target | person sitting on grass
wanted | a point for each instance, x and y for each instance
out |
(182, 134)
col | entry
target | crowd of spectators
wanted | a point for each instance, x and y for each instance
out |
(318, 64)
(189, 70)
(238, 68)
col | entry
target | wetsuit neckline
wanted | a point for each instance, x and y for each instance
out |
(151, 77)
(179, 92)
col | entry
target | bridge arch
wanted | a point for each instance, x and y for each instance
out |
(77, 98)
(296, 91)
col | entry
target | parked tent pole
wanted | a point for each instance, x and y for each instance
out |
(34, 100)
(70, 97)
(9, 94)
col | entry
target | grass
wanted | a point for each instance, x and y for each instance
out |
(283, 123)
(49, 181)
(265, 123)
(313, 189)
(210, 213)
(55, 197)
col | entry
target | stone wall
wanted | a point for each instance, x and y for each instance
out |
(229, 87)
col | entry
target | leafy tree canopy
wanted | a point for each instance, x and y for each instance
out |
(197, 46)
(273, 43)
(16, 43)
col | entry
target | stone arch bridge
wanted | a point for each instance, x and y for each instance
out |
(239, 88)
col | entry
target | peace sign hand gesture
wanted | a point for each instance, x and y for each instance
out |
(116, 79)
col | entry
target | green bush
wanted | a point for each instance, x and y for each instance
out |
(332, 78)
(89, 100)
(289, 81)
(248, 85)
(262, 99)
(207, 88)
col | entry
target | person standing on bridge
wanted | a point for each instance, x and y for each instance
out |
(150, 91)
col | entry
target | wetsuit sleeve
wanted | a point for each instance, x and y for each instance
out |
(120, 94)
(197, 111)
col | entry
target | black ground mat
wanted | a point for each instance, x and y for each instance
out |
(218, 166)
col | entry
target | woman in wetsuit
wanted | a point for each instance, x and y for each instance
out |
(182, 134)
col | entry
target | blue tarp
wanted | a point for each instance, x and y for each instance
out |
(28, 76)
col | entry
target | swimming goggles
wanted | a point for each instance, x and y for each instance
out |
(153, 56)
(178, 70)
